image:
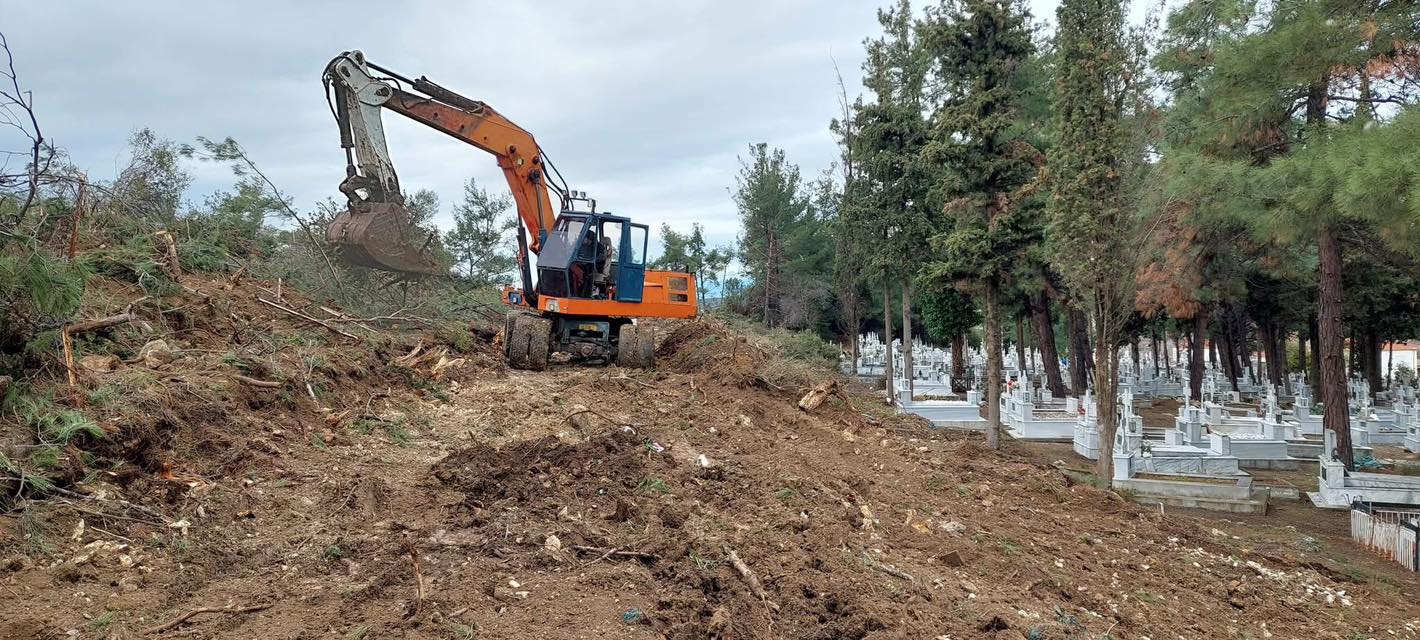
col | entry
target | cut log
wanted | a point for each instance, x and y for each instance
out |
(98, 323)
(817, 395)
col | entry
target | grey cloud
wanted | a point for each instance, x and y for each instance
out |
(644, 104)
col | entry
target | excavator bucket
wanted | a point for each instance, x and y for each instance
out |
(379, 236)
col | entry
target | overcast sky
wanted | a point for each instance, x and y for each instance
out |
(644, 105)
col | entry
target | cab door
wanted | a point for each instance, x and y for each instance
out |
(631, 264)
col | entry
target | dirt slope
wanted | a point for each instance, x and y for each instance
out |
(600, 502)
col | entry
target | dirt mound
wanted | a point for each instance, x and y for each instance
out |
(217, 376)
(707, 347)
(690, 502)
(547, 474)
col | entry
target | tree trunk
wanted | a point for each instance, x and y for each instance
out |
(887, 337)
(1083, 324)
(771, 279)
(1245, 353)
(1302, 357)
(959, 363)
(853, 345)
(1020, 348)
(1154, 348)
(1264, 333)
(852, 318)
(1230, 358)
(1195, 360)
(1106, 394)
(1280, 335)
(1390, 366)
(1373, 361)
(1077, 356)
(1314, 378)
(993, 366)
(1134, 354)
(1333, 372)
(907, 370)
(1045, 339)
(1168, 362)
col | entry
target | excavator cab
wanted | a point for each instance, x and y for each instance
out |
(593, 256)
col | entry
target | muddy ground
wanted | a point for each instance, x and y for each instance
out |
(595, 502)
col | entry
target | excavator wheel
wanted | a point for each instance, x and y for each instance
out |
(636, 346)
(508, 334)
(529, 341)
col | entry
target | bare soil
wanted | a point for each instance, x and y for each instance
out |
(596, 502)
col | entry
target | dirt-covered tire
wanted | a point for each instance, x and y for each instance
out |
(529, 342)
(517, 348)
(646, 341)
(635, 346)
(626, 341)
(539, 343)
(508, 322)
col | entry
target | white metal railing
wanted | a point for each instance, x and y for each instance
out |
(1390, 530)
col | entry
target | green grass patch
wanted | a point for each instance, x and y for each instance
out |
(653, 485)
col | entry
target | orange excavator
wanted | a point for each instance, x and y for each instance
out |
(592, 289)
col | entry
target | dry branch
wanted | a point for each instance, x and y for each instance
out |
(98, 323)
(201, 610)
(598, 414)
(418, 577)
(161, 519)
(265, 384)
(887, 568)
(615, 551)
(631, 379)
(748, 574)
(69, 368)
(307, 317)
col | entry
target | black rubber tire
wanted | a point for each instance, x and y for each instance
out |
(539, 343)
(636, 346)
(627, 346)
(646, 343)
(508, 321)
(518, 341)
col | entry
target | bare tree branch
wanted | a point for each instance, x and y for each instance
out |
(24, 100)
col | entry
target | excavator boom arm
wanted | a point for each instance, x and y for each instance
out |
(371, 183)
(483, 127)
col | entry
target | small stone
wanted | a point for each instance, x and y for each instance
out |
(633, 616)
(156, 353)
(581, 417)
(98, 363)
(953, 527)
(552, 543)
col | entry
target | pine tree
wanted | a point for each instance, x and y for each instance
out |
(689, 252)
(478, 239)
(1249, 134)
(987, 169)
(890, 207)
(1089, 221)
(769, 194)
